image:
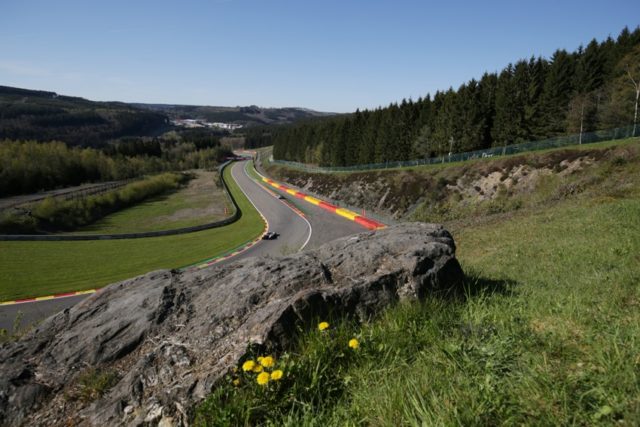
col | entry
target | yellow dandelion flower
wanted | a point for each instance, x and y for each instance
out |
(276, 375)
(257, 368)
(236, 382)
(267, 362)
(260, 358)
(354, 344)
(248, 365)
(263, 378)
(323, 325)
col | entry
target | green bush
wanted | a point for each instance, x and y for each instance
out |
(30, 166)
(58, 214)
(16, 223)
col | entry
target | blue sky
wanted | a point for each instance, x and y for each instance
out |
(327, 55)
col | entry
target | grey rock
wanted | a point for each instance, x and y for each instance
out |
(171, 336)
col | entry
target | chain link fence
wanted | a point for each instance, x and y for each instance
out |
(562, 141)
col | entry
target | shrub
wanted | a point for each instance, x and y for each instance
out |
(59, 214)
(16, 223)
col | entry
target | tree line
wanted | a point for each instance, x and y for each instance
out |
(55, 214)
(85, 128)
(46, 116)
(31, 166)
(591, 88)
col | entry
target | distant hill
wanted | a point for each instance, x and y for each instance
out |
(45, 116)
(247, 116)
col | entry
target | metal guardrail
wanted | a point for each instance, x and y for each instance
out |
(563, 141)
(74, 237)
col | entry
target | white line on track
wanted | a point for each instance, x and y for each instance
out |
(286, 204)
(254, 205)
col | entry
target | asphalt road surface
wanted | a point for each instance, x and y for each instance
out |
(296, 233)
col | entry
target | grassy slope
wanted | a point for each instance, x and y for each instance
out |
(547, 334)
(266, 151)
(421, 192)
(551, 339)
(156, 213)
(41, 268)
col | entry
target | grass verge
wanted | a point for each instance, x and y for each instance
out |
(200, 202)
(547, 333)
(43, 268)
(54, 214)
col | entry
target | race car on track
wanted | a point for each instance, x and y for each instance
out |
(271, 235)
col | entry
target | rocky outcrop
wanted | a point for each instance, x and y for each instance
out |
(397, 193)
(167, 337)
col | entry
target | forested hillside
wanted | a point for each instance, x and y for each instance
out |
(594, 87)
(247, 116)
(31, 166)
(46, 116)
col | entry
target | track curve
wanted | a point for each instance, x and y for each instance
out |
(295, 231)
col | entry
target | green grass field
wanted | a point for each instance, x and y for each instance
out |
(547, 332)
(30, 269)
(200, 202)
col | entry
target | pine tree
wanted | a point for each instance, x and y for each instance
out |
(504, 130)
(558, 88)
(533, 99)
(534, 109)
(588, 81)
(487, 89)
(471, 116)
(443, 128)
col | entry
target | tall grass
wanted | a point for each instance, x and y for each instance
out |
(546, 332)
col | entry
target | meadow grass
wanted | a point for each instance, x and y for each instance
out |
(30, 269)
(545, 332)
(615, 174)
(200, 202)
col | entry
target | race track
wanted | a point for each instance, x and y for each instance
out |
(300, 225)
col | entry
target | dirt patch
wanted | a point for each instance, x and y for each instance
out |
(205, 197)
(519, 179)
